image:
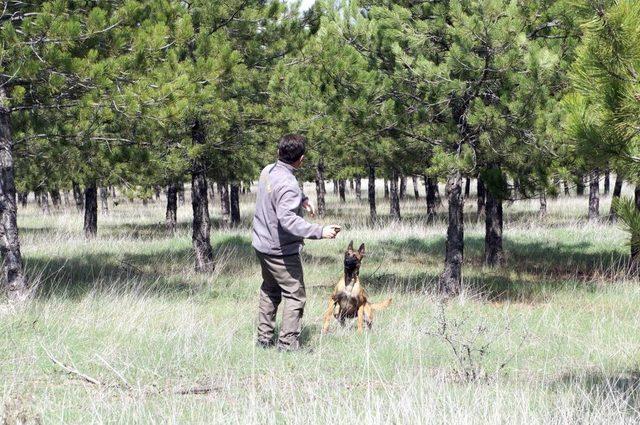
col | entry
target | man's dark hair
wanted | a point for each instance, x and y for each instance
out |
(291, 147)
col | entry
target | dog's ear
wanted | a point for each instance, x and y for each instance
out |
(350, 247)
(361, 249)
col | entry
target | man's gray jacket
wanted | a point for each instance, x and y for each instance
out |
(278, 226)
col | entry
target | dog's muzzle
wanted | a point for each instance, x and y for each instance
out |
(350, 263)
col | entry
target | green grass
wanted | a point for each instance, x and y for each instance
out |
(127, 310)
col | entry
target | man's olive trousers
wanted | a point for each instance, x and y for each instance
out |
(282, 277)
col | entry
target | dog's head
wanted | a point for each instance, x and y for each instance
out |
(352, 258)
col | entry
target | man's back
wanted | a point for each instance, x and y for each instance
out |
(278, 226)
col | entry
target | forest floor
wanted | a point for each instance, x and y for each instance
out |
(122, 331)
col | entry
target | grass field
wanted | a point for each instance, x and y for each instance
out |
(558, 326)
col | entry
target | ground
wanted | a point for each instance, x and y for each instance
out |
(123, 331)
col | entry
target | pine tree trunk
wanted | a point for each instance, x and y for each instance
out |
(171, 215)
(493, 252)
(91, 210)
(15, 281)
(607, 182)
(225, 209)
(201, 221)
(23, 197)
(351, 185)
(104, 200)
(181, 192)
(394, 203)
(403, 186)
(342, 189)
(634, 263)
(542, 212)
(235, 203)
(211, 191)
(157, 189)
(78, 197)
(617, 191)
(416, 192)
(385, 182)
(467, 187)
(566, 188)
(201, 237)
(481, 199)
(430, 186)
(372, 194)
(44, 200)
(450, 281)
(358, 188)
(335, 186)
(112, 191)
(594, 196)
(580, 185)
(65, 194)
(321, 189)
(56, 199)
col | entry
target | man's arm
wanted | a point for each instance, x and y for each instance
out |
(287, 204)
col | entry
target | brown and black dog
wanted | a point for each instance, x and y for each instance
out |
(349, 298)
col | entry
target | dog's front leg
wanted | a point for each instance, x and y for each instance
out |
(327, 315)
(360, 318)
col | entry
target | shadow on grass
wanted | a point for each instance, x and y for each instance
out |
(620, 390)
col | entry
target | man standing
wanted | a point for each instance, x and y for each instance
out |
(278, 235)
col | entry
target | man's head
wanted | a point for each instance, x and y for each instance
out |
(291, 149)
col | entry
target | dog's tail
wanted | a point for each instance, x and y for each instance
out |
(382, 305)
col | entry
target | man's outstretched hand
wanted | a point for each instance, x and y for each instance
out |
(330, 231)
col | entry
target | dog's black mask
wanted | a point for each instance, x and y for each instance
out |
(350, 263)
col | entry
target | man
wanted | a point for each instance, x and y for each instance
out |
(278, 235)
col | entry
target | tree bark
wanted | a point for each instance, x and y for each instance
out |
(157, 189)
(580, 185)
(44, 202)
(467, 187)
(91, 210)
(493, 252)
(431, 186)
(481, 199)
(15, 280)
(181, 192)
(372, 194)
(321, 189)
(200, 204)
(403, 186)
(594, 196)
(358, 188)
(566, 188)
(78, 196)
(342, 189)
(450, 281)
(634, 263)
(56, 199)
(235, 203)
(617, 191)
(23, 197)
(542, 212)
(171, 215)
(386, 188)
(211, 191)
(335, 186)
(607, 182)
(416, 192)
(394, 204)
(104, 200)
(225, 209)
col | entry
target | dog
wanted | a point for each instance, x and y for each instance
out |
(349, 298)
